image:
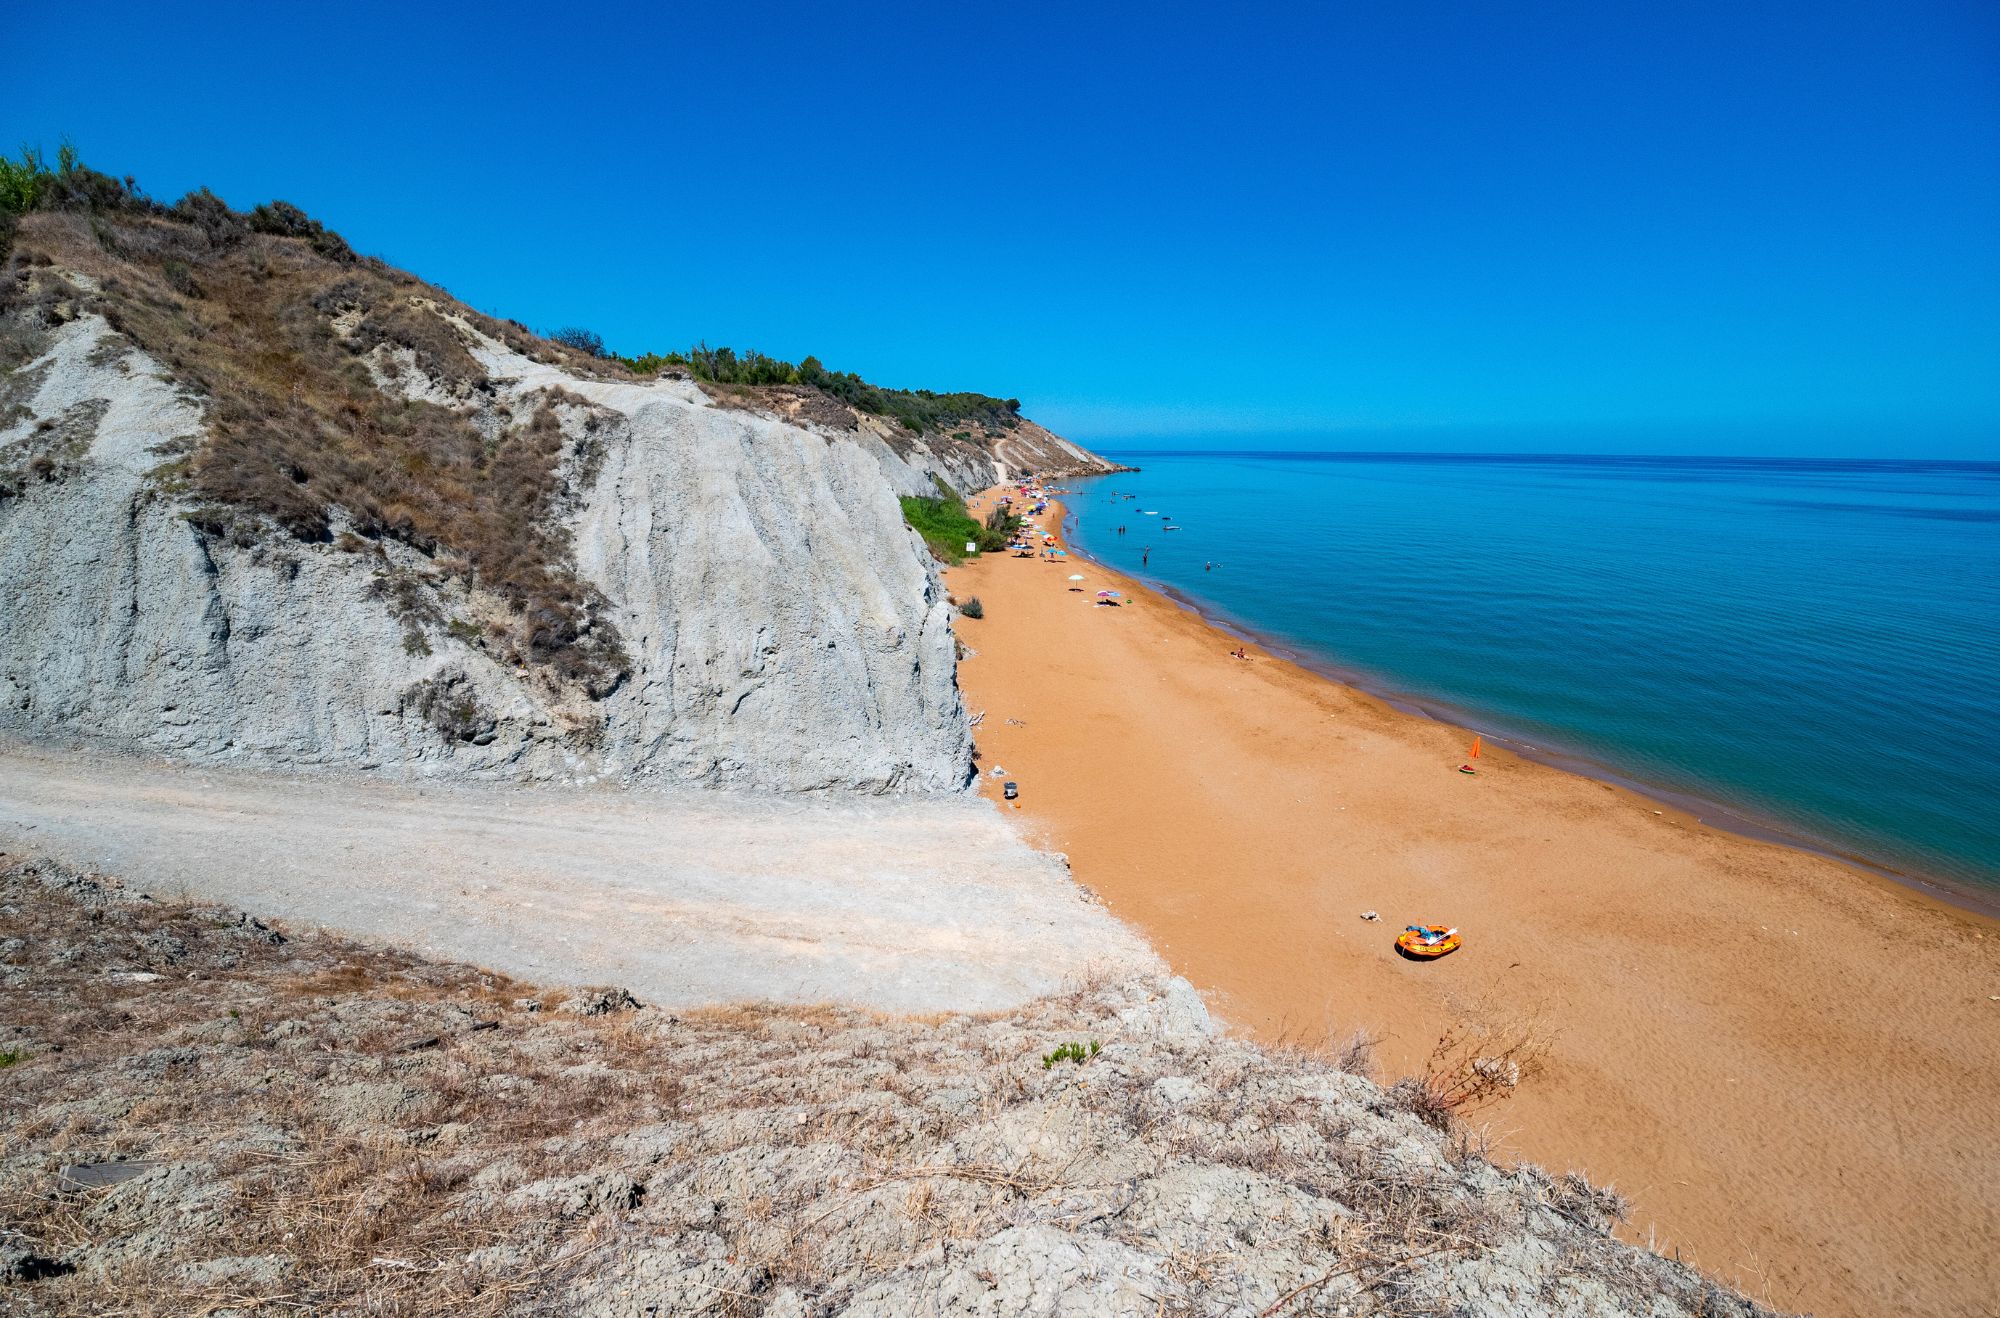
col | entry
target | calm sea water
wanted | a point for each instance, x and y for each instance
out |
(1814, 643)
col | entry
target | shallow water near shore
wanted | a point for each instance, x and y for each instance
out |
(1810, 642)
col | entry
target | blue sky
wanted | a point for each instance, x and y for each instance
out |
(1687, 226)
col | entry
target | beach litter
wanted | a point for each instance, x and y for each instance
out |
(1370, 915)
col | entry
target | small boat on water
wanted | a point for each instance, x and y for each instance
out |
(1427, 942)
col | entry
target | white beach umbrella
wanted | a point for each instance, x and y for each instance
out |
(1076, 576)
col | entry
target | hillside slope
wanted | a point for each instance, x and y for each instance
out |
(262, 499)
(207, 1114)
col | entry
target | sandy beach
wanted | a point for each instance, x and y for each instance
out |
(1790, 1065)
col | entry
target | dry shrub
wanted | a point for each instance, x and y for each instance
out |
(1351, 1052)
(1598, 1206)
(400, 323)
(1480, 1060)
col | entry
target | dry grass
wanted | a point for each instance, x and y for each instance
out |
(349, 1128)
(361, 1209)
(299, 432)
(1347, 1050)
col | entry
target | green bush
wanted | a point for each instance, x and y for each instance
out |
(23, 181)
(1070, 1052)
(916, 410)
(945, 525)
(972, 608)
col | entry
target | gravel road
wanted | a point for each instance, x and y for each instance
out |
(901, 904)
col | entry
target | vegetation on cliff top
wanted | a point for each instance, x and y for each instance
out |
(916, 410)
(30, 183)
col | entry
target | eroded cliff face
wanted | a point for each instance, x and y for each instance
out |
(968, 467)
(783, 628)
(969, 460)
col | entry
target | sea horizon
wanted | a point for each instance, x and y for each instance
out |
(1640, 618)
(1800, 461)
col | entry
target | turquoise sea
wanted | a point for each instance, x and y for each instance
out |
(1813, 644)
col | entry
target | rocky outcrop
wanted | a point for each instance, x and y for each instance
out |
(971, 459)
(970, 465)
(785, 629)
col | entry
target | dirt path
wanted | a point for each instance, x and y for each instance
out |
(898, 904)
(1790, 1066)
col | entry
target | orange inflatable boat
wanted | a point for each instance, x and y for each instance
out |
(1427, 942)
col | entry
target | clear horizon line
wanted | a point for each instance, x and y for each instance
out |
(1497, 455)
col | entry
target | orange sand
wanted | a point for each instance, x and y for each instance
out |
(1791, 1066)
